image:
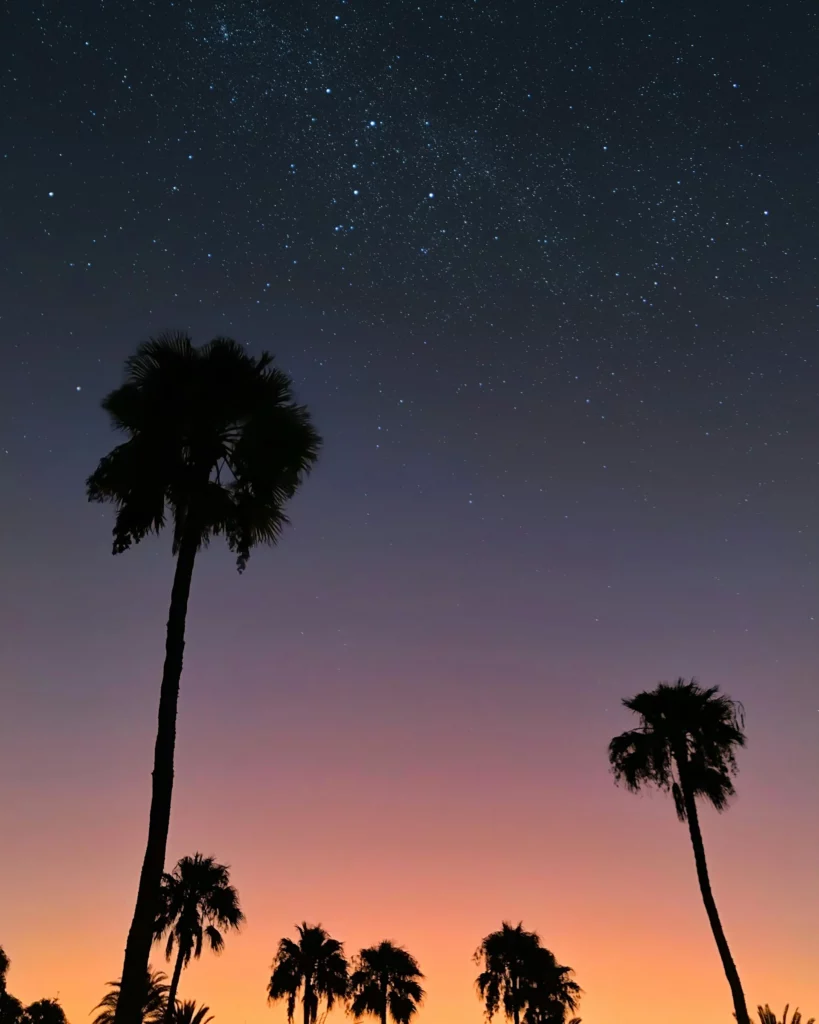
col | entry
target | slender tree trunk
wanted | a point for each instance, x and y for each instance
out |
(385, 1002)
(141, 934)
(728, 965)
(177, 974)
(308, 1004)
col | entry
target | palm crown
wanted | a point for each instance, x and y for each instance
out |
(522, 977)
(767, 1016)
(213, 435)
(154, 1000)
(189, 1013)
(315, 966)
(686, 734)
(386, 983)
(197, 900)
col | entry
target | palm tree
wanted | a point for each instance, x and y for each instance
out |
(5, 963)
(196, 900)
(523, 978)
(315, 966)
(152, 1010)
(767, 1016)
(189, 1013)
(386, 983)
(215, 439)
(686, 743)
(44, 1011)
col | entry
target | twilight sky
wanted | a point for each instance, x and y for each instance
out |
(546, 274)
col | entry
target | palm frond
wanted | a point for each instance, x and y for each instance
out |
(155, 995)
(189, 1013)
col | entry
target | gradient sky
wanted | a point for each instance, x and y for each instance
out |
(546, 276)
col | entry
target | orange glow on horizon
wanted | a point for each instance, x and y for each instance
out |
(606, 878)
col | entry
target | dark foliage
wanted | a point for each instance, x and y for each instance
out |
(314, 967)
(214, 438)
(385, 983)
(196, 901)
(522, 979)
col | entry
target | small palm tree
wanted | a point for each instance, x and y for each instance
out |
(767, 1016)
(686, 744)
(315, 966)
(154, 1001)
(189, 1013)
(197, 900)
(385, 983)
(5, 963)
(213, 438)
(523, 978)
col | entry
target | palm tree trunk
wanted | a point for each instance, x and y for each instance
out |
(141, 934)
(308, 1003)
(728, 965)
(385, 1001)
(177, 974)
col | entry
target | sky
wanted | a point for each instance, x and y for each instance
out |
(546, 276)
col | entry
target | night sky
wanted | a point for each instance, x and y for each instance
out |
(546, 275)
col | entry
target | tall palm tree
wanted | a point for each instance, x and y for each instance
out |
(196, 900)
(214, 439)
(154, 1000)
(315, 966)
(767, 1016)
(523, 978)
(686, 744)
(189, 1013)
(385, 983)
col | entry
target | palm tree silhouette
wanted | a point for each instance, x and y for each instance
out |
(196, 900)
(154, 1000)
(315, 966)
(385, 983)
(189, 1013)
(215, 439)
(686, 744)
(5, 963)
(523, 978)
(767, 1016)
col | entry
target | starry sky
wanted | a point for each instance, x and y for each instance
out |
(546, 274)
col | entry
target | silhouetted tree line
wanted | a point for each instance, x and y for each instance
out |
(215, 445)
